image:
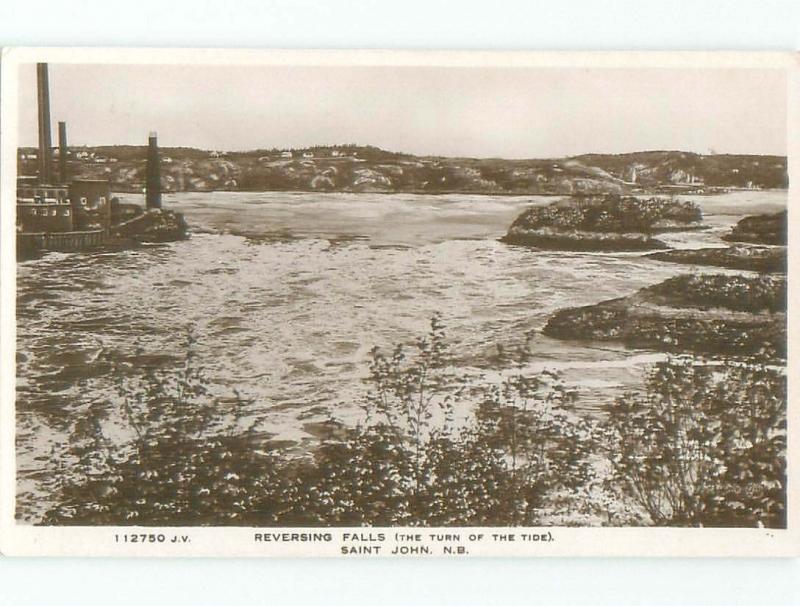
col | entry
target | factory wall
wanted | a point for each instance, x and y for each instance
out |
(91, 203)
(44, 209)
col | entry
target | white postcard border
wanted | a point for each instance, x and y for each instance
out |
(25, 540)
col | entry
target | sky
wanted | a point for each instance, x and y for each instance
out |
(520, 112)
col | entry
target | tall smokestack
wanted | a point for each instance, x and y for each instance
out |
(45, 143)
(153, 183)
(62, 151)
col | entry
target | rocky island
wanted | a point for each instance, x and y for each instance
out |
(761, 229)
(609, 222)
(762, 259)
(706, 314)
(761, 247)
(153, 226)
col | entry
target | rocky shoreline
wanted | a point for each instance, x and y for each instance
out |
(760, 259)
(705, 314)
(581, 241)
(154, 226)
(761, 229)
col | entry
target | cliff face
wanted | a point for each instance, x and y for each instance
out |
(368, 169)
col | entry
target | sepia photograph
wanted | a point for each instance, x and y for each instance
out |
(360, 302)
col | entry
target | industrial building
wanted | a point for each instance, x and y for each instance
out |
(55, 212)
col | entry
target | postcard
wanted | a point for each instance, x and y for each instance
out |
(367, 304)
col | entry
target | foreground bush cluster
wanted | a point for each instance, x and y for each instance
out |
(705, 445)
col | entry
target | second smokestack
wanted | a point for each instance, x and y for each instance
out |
(45, 142)
(153, 182)
(62, 152)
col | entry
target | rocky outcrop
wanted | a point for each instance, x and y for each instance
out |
(707, 314)
(762, 259)
(609, 222)
(154, 225)
(760, 229)
(553, 239)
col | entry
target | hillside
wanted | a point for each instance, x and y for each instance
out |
(368, 169)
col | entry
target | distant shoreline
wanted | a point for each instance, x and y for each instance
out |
(450, 193)
(372, 170)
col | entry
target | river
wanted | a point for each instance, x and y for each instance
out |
(286, 293)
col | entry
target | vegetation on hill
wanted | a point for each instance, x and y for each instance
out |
(364, 168)
(655, 168)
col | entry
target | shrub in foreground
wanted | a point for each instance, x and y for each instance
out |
(417, 459)
(706, 445)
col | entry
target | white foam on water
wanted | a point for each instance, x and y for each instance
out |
(287, 293)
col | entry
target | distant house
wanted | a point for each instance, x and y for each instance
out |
(166, 160)
(286, 154)
(335, 153)
(217, 154)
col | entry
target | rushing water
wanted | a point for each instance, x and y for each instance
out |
(287, 293)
